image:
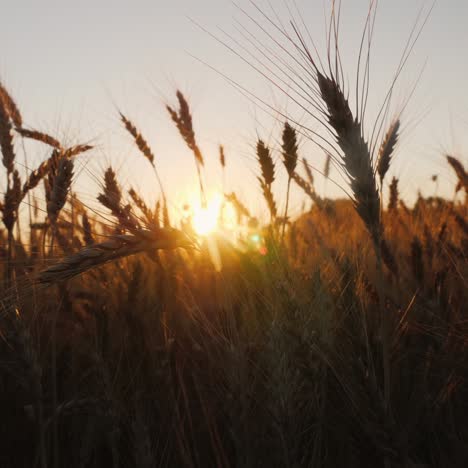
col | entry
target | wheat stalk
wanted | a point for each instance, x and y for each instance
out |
(357, 165)
(308, 171)
(269, 198)
(157, 214)
(327, 165)
(29, 353)
(165, 212)
(417, 263)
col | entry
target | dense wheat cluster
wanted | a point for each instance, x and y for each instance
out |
(335, 339)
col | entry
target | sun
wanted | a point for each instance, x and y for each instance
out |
(217, 216)
(206, 219)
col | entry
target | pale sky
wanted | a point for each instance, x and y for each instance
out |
(70, 65)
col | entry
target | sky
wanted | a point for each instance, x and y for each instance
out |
(72, 65)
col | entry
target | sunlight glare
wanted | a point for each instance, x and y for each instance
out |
(229, 216)
(205, 220)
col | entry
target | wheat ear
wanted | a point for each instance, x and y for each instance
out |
(387, 149)
(12, 201)
(308, 190)
(462, 175)
(183, 121)
(222, 156)
(289, 152)
(60, 188)
(10, 106)
(50, 165)
(266, 162)
(142, 145)
(267, 167)
(116, 247)
(87, 231)
(111, 198)
(6, 139)
(356, 155)
(39, 136)
(240, 208)
(394, 195)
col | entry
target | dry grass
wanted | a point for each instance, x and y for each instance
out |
(126, 344)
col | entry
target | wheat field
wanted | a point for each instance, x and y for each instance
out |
(133, 337)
